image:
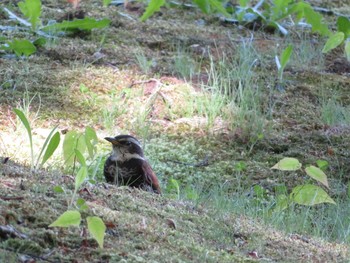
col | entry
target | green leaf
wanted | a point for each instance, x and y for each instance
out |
(68, 218)
(285, 56)
(26, 124)
(309, 195)
(153, 6)
(347, 49)
(203, 5)
(31, 9)
(72, 140)
(287, 164)
(333, 41)
(90, 140)
(77, 24)
(343, 25)
(97, 229)
(21, 47)
(58, 189)
(317, 174)
(51, 148)
(80, 157)
(322, 164)
(106, 2)
(315, 19)
(217, 6)
(80, 177)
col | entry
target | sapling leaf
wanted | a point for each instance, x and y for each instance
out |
(90, 140)
(21, 47)
(48, 138)
(68, 218)
(287, 164)
(333, 41)
(58, 189)
(285, 56)
(51, 148)
(97, 229)
(317, 174)
(343, 25)
(153, 6)
(80, 177)
(347, 49)
(72, 140)
(31, 9)
(315, 20)
(310, 195)
(322, 164)
(80, 157)
(26, 124)
(77, 24)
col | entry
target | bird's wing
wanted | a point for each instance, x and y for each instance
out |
(151, 177)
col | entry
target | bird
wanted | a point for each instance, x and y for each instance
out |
(127, 165)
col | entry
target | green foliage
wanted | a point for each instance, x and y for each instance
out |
(152, 7)
(20, 47)
(106, 2)
(287, 164)
(211, 6)
(50, 145)
(283, 60)
(96, 228)
(340, 37)
(85, 24)
(76, 145)
(68, 218)
(31, 9)
(307, 194)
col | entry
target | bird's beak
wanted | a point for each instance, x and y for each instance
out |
(112, 140)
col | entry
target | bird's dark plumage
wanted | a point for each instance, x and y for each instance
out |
(127, 165)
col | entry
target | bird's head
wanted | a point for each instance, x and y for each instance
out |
(125, 147)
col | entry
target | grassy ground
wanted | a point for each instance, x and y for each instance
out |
(195, 91)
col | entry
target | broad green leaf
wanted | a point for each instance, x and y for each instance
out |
(58, 189)
(285, 56)
(80, 177)
(32, 10)
(287, 164)
(315, 19)
(77, 24)
(203, 5)
(343, 25)
(90, 140)
(68, 218)
(333, 41)
(97, 229)
(72, 140)
(80, 157)
(243, 3)
(21, 47)
(106, 2)
(51, 148)
(26, 124)
(347, 49)
(322, 164)
(217, 6)
(309, 194)
(153, 6)
(317, 174)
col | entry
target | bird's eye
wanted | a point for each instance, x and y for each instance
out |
(127, 143)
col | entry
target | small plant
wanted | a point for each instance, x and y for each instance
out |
(50, 145)
(74, 147)
(307, 194)
(31, 10)
(342, 36)
(282, 62)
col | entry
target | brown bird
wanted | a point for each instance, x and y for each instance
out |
(128, 166)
